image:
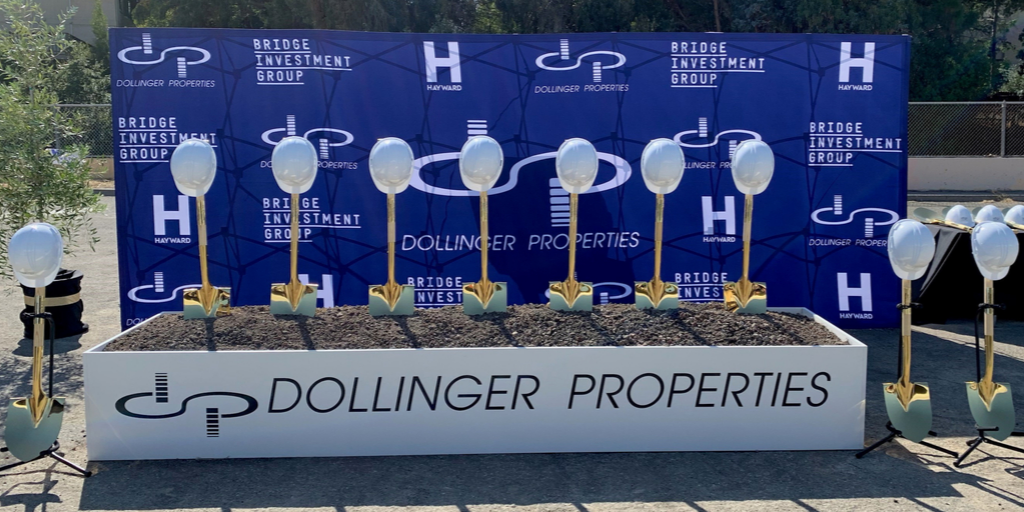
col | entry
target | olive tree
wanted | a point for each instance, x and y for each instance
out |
(38, 183)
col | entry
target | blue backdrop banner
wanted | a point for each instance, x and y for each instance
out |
(832, 107)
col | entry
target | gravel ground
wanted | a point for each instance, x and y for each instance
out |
(531, 325)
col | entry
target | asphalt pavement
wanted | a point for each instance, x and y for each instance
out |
(899, 476)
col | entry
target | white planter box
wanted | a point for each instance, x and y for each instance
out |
(474, 400)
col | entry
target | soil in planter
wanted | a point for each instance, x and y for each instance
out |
(531, 325)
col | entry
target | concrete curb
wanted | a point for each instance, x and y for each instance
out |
(963, 196)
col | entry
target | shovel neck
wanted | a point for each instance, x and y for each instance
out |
(392, 236)
(905, 332)
(38, 398)
(294, 238)
(483, 236)
(748, 220)
(990, 296)
(573, 202)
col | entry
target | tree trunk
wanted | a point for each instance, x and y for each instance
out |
(718, 21)
(316, 7)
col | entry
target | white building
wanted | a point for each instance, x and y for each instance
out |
(79, 25)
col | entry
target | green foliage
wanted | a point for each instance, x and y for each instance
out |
(1013, 82)
(100, 52)
(36, 185)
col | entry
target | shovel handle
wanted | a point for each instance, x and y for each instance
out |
(990, 296)
(748, 220)
(905, 333)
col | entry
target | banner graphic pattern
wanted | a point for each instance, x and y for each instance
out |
(832, 107)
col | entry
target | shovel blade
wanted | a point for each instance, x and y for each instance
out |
(754, 304)
(644, 299)
(193, 304)
(281, 305)
(998, 414)
(24, 438)
(405, 306)
(472, 305)
(927, 215)
(914, 421)
(583, 302)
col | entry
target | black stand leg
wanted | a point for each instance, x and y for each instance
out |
(982, 438)
(51, 453)
(893, 434)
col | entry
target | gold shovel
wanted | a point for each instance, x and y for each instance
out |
(293, 298)
(484, 296)
(908, 403)
(744, 296)
(33, 423)
(991, 402)
(929, 216)
(392, 298)
(571, 295)
(657, 294)
(208, 301)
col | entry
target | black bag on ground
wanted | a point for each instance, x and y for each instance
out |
(63, 300)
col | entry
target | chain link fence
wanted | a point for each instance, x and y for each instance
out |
(966, 129)
(91, 126)
(946, 129)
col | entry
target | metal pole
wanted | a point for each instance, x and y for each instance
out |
(1002, 129)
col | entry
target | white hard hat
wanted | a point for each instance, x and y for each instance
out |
(994, 246)
(391, 165)
(753, 164)
(35, 252)
(480, 163)
(294, 164)
(989, 213)
(662, 165)
(911, 248)
(959, 214)
(1015, 215)
(576, 164)
(194, 166)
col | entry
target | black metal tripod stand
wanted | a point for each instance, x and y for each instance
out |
(50, 452)
(982, 438)
(893, 432)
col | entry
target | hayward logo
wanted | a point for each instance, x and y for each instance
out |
(870, 221)
(596, 66)
(162, 216)
(323, 138)
(862, 292)
(188, 55)
(866, 64)
(727, 217)
(435, 63)
(161, 395)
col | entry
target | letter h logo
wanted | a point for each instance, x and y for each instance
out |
(161, 216)
(710, 215)
(846, 291)
(865, 63)
(452, 61)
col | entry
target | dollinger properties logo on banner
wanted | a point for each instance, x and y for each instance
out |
(836, 123)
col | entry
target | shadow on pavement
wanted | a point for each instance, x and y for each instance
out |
(60, 345)
(511, 479)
